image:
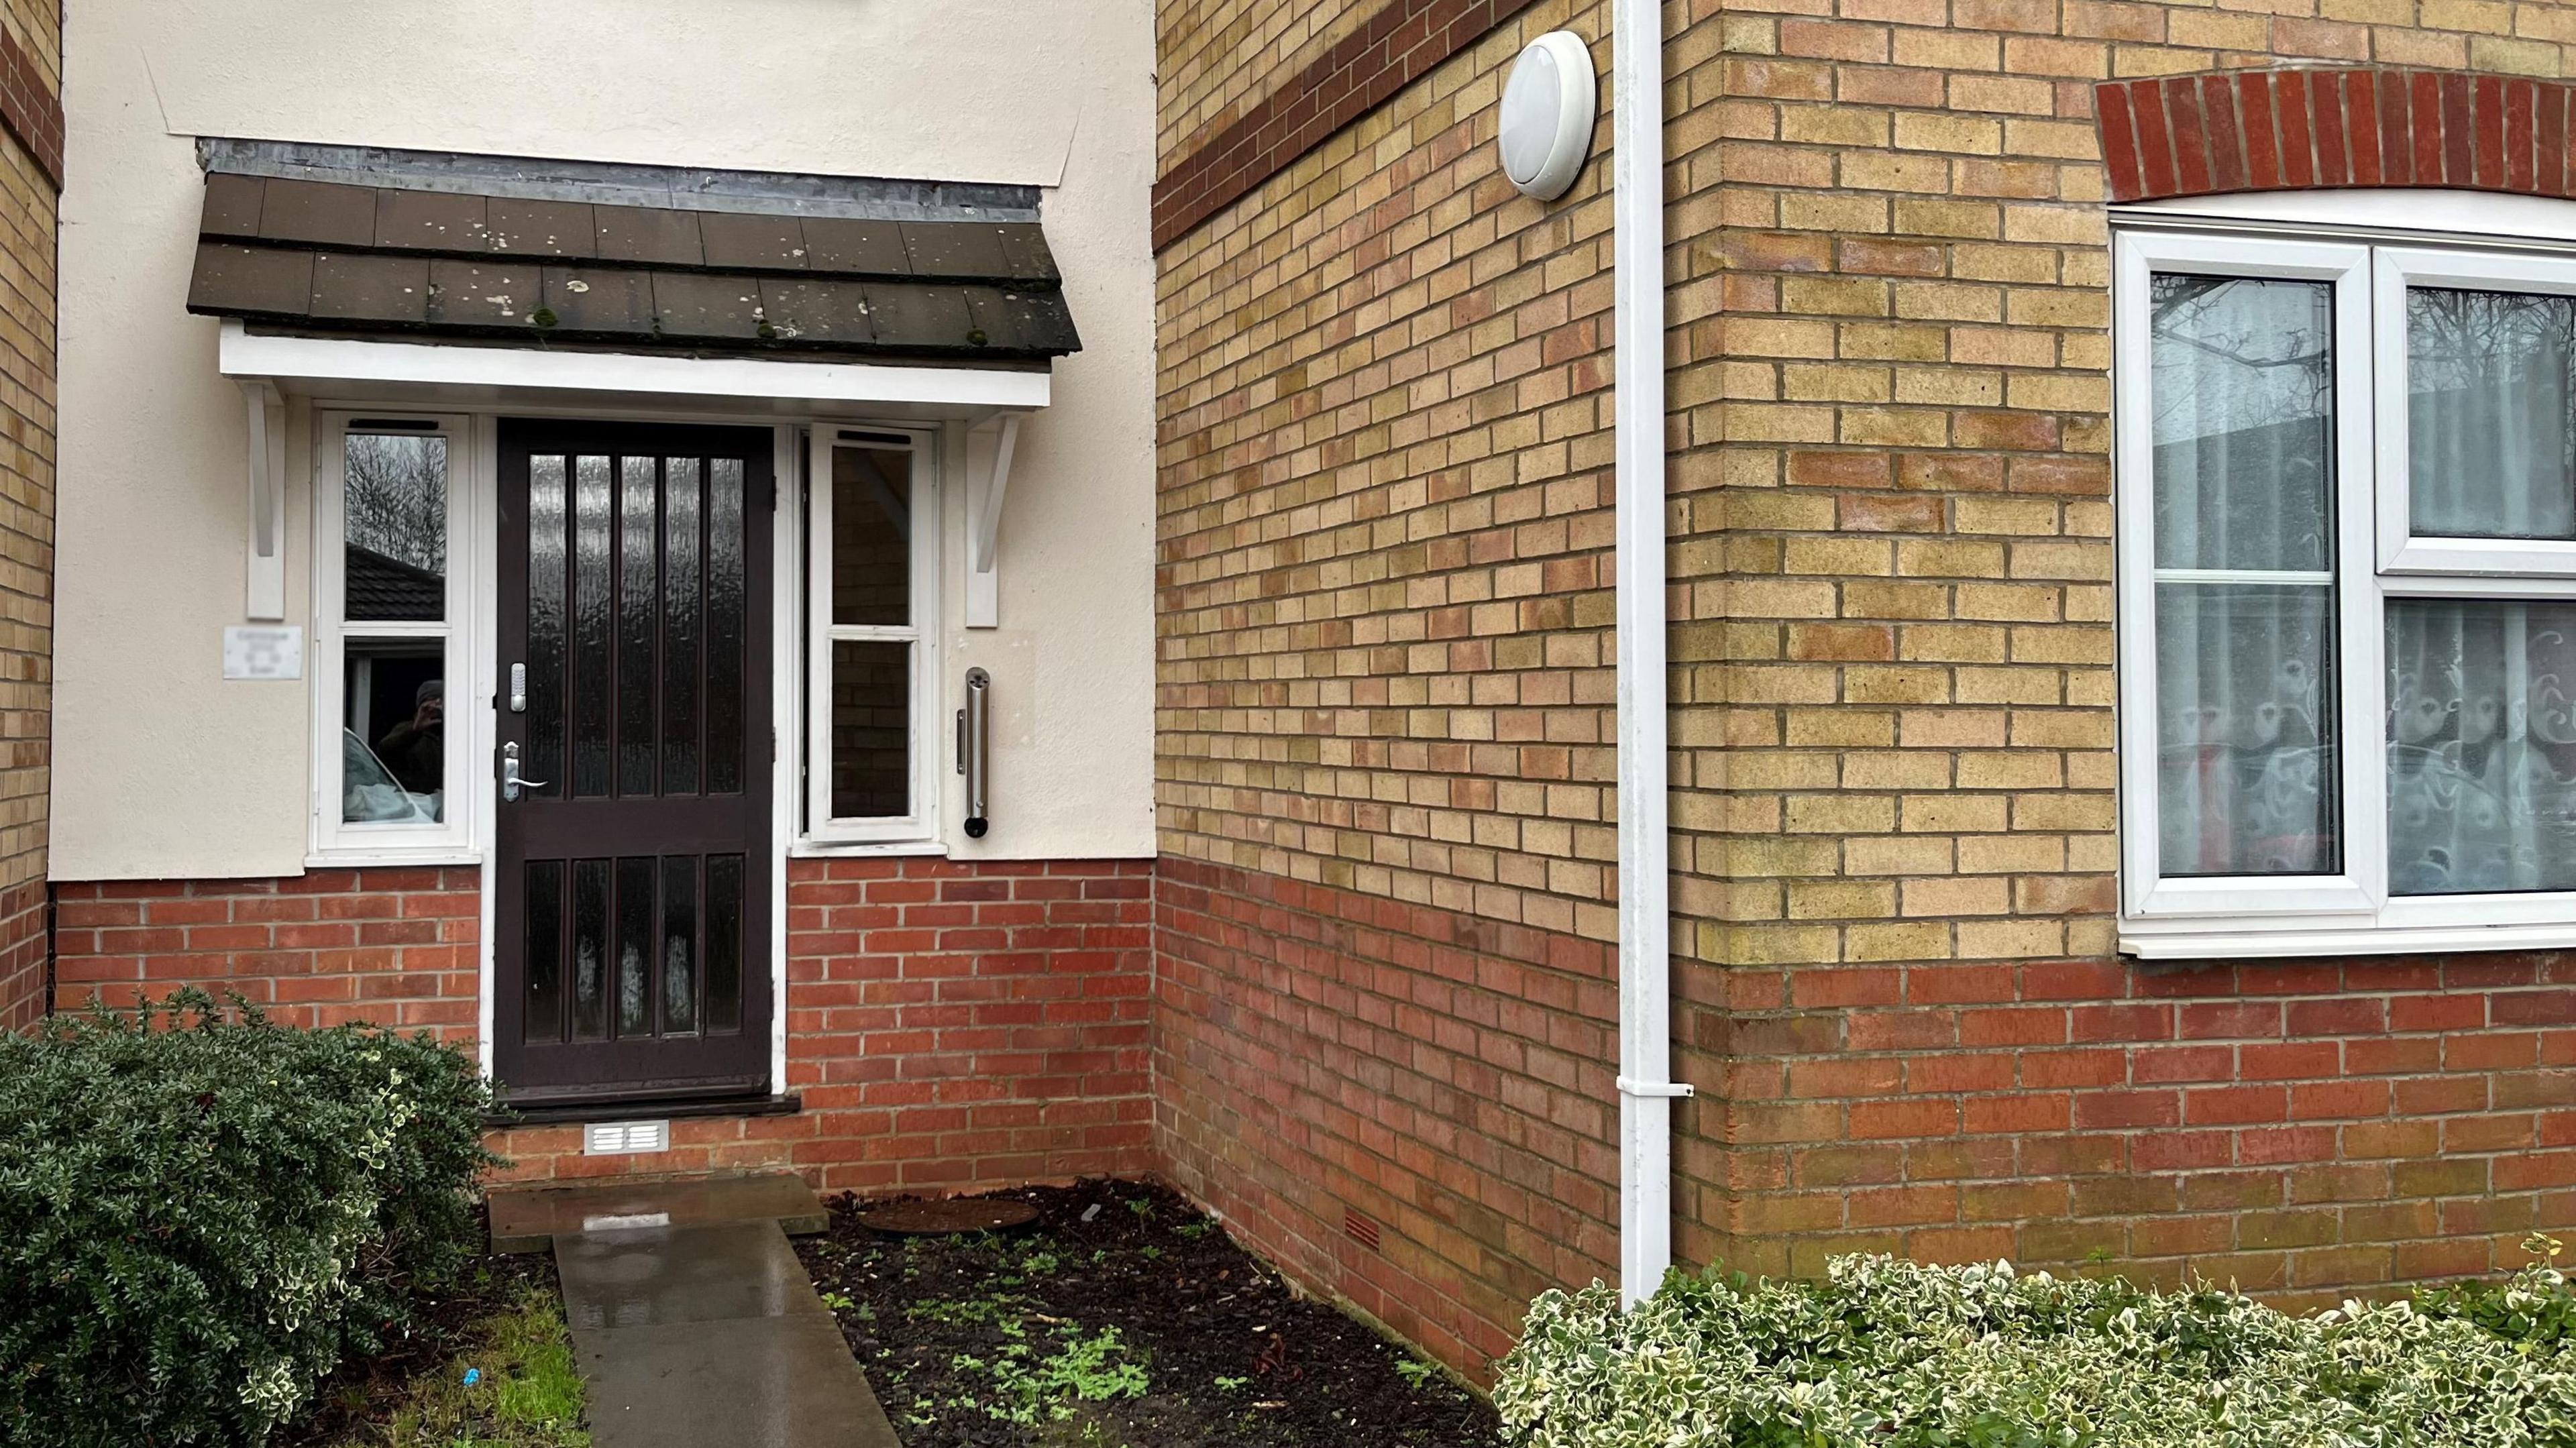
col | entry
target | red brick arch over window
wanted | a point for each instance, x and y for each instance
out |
(2285, 130)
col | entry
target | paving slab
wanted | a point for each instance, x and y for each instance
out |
(654, 1276)
(527, 1219)
(760, 1382)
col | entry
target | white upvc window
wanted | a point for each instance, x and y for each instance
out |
(871, 578)
(2347, 594)
(391, 605)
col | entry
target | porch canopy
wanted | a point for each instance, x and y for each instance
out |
(468, 280)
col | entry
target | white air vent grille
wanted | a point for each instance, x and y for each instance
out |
(625, 1138)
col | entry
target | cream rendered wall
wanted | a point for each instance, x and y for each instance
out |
(163, 769)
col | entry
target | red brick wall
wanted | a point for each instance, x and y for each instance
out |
(394, 946)
(1322, 1052)
(950, 1025)
(2298, 1127)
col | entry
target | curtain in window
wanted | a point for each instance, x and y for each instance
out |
(2244, 464)
(2491, 380)
(2481, 746)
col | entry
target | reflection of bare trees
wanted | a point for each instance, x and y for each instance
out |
(397, 498)
(2274, 331)
(2512, 343)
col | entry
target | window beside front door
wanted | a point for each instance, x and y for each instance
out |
(390, 608)
(2348, 594)
(871, 526)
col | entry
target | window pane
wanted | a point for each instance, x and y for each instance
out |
(395, 526)
(393, 740)
(725, 585)
(2243, 404)
(681, 624)
(545, 951)
(2481, 746)
(871, 730)
(680, 945)
(594, 593)
(2245, 732)
(871, 537)
(547, 593)
(2491, 447)
(639, 610)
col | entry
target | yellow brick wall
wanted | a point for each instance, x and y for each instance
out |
(28, 219)
(1894, 673)
(1385, 467)
(1216, 58)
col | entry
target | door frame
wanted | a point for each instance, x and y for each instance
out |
(476, 649)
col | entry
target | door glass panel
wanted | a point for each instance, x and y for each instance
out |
(393, 746)
(546, 597)
(394, 520)
(724, 943)
(682, 627)
(594, 597)
(545, 951)
(871, 729)
(2481, 746)
(2242, 404)
(871, 537)
(590, 950)
(636, 936)
(725, 565)
(639, 610)
(2490, 436)
(680, 946)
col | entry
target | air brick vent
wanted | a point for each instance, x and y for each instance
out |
(1359, 1229)
(625, 1138)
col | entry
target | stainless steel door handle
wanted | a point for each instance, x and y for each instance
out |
(975, 749)
(511, 783)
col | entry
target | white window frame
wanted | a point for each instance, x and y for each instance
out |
(2377, 558)
(819, 828)
(452, 840)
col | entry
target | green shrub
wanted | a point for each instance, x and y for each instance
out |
(197, 1222)
(1889, 1354)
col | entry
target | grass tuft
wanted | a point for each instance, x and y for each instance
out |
(525, 1393)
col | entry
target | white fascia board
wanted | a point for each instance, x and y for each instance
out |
(319, 363)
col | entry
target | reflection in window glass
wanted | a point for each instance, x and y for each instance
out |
(394, 525)
(2491, 442)
(2242, 394)
(871, 730)
(394, 727)
(871, 537)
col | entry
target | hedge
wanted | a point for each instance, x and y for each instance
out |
(202, 1213)
(1889, 1354)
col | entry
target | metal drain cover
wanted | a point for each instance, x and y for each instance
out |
(957, 1214)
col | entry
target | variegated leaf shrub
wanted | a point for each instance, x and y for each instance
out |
(1886, 1353)
(202, 1213)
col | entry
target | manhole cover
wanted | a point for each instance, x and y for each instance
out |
(960, 1214)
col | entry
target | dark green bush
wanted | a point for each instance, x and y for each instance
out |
(201, 1212)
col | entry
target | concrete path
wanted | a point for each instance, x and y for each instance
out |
(694, 1331)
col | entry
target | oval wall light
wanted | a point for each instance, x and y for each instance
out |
(1548, 108)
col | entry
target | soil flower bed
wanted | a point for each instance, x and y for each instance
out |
(484, 1365)
(1122, 1317)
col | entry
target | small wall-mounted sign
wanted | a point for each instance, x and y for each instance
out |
(263, 651)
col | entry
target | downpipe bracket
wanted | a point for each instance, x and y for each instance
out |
(1631, 1086)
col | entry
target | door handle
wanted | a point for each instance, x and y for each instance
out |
(511, 782)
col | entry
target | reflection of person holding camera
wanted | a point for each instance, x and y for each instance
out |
(415, 751)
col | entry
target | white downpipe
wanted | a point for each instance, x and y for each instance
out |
(1646, 1088)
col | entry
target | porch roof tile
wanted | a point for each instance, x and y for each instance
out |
(336, 256)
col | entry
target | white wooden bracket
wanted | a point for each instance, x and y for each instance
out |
(985, 490)
(267, 499)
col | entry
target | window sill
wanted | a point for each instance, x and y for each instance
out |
(814, 849)
(2308, 941)
(347, 857)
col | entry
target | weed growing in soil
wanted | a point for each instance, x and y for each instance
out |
(1120, 1319)
(494, 1369)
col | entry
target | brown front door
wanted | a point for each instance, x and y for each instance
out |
(632, 915)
